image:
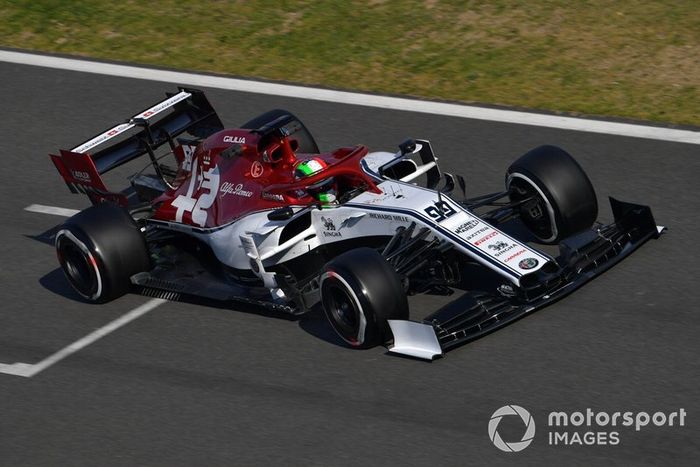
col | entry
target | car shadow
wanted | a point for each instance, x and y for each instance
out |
(47, 238)
(57, 283)
(237, 307)
(315, 323)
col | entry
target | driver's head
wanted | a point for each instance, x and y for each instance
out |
(324, 190)
(309, 167)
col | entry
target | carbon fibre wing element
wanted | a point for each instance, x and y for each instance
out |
(582, 258)
(187, 111)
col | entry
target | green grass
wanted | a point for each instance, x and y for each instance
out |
(634, 59)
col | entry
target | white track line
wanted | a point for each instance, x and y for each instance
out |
(395, 103)
(53, 210)
(28, 370)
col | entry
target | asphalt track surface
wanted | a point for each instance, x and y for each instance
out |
(188, 384)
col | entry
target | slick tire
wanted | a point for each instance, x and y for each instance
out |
(306, 144)
(99, 249)
(360, 291)
(564, 201)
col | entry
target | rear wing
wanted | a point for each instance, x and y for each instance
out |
(186, 111)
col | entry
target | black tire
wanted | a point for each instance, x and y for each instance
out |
(99, 249)
(360, 291)
(565, 202)
(306, 144)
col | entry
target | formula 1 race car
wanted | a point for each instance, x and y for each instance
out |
(258, 214)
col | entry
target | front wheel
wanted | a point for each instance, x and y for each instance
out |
(360, 291)
(562, 201)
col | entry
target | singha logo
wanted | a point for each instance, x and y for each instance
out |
(498, 246)
(328, 224)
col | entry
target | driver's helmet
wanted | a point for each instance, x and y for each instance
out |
(325, 190)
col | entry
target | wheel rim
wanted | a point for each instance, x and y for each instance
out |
(343, 307)
(535, 214)
(343, 311)
(78, 267)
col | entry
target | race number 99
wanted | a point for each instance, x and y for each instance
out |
(440, 211)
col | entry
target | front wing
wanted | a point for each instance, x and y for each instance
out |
(582, 257)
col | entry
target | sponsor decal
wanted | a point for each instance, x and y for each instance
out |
(328, 223)
(466, 226)
(126, 126)
(329, 226)
(103, 137)
(440, 211)
(518, 253)
(478, 232)
(485, 237)
(502, 248)
(228, 188)
(387, 217)
(256, 170)
(383, 217)
(234, 139)
(81, 176)
(528, 263)
(498, 246)
(272, 197)
(163, 105)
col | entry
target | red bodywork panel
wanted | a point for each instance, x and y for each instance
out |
(216, 187)
(80, 174)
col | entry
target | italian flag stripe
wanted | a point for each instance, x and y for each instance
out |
(306, 169)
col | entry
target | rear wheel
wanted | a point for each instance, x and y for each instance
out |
(563, 200)
(360, 291)
(99, 249)
(305, 142)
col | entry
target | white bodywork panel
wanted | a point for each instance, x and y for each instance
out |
(374, 160)
(414, 339)
(450, 221)
(370, 214)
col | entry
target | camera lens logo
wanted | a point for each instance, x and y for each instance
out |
(529, 428)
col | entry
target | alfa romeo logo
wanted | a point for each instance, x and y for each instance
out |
(527, 436)
(256, 169)
(528, 263)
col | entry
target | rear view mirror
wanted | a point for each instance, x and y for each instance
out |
(281, 214)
